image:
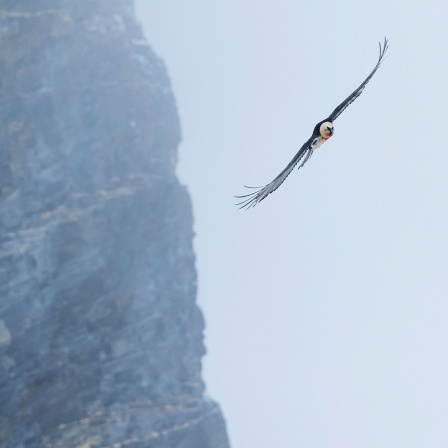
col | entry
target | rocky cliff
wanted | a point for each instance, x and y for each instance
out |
(100, 335)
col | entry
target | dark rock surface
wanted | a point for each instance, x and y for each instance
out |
(100, 335)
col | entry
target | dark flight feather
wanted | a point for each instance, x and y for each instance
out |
(338, 111)
(253, 199)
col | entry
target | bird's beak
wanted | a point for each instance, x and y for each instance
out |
(330, 130)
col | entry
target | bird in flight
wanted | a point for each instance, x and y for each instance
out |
(321, 133)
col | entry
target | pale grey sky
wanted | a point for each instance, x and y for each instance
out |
(326, 305)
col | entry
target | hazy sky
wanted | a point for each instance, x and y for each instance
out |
(326, 305)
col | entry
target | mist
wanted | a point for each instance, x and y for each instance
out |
(101, 336)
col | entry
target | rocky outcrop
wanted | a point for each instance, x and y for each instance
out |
(100, 336)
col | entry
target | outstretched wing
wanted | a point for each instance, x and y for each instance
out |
(252, 199)
(338, 111)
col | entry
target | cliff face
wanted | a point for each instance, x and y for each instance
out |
(100, 335)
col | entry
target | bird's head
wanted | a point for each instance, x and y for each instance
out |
(326, 129)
